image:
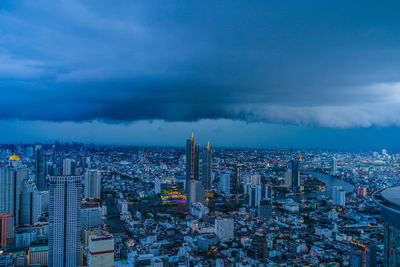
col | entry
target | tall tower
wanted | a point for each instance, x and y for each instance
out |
(192, 161)
(64, 221)
(11, 179)
(206, 167)
(40, 168)
(92, 184)
(295, 176)
(30, 198)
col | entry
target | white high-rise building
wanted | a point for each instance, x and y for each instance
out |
(338, 196)
(101, 251)
(67, 166)
(196, 193)
(11, 183)
(64, 221)
(334, 165)
(225, 183)
(224, 229)
(92, 184)
(255, 195)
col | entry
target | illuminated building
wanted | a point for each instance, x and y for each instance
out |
(295, 176)
(64, 221)
(170, 189)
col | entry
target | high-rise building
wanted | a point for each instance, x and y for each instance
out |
(258, 248)
(338, 196)
(288, 178)
(192, 161)
(255, 195)
(224, 229)
(363, 256)
(40, 168)
(67, 166)
(6, 230)
(90, 217)
(265, 209)
(195, 193)
(30, 200)
(295, 176)
(101, 251)
(11, 182)
(92, 184)
(334, 165)
(236, 179)
(64, 220)
(206, 167)
(225, 183)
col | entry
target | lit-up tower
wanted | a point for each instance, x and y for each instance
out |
(40, 168)
(192, 161)
(64, 221)
(206, 170)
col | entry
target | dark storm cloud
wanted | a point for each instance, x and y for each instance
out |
(324, 63)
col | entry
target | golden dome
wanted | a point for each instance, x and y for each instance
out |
(14, 157)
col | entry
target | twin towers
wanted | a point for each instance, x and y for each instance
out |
(197, 185)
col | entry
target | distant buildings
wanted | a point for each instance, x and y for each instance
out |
(224, 229)
(64, 220)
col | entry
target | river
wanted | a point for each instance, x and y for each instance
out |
(330, 182)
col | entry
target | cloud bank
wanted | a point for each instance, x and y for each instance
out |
(326, 64)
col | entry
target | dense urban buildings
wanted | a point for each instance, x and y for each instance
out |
(131, 206)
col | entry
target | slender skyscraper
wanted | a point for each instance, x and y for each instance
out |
(67, 166)
(206, 170)
(11, 178)
(92, 184)
(192, 161)
(64, 221)
(30, 199)
(40, 168)
(295, 176)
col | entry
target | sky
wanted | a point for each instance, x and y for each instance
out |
(273, 74)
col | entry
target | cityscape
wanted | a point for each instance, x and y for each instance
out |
(71, 204)
(179, 133)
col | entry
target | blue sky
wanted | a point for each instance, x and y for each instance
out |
(239, 73)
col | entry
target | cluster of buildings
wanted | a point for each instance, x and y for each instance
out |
(87, 205)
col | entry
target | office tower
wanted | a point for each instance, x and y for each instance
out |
(206, 167)
(92, 184)
(338, 196)
(101, 251)
(363, 256)
(258, 248)
(255, 195)
(67, 166)
(11, 178)
(334, 165)
(195, 194)
(236, 179)
(64, 220)
(295, 176)
(266, 192)
(225, 183)
(30, 200)
(44, 201)
(224, 229)
(6, 230)
(192, 161)
(40, 168)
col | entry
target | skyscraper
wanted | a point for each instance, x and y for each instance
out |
(255, 195)
(195, 193)
(224, 183)
(224, 229)
(5, 229)
(64, 221)
(206, 167)
(295, 176)
(92, 184)
(334, 165)
(338, 196)
(11, 178)
(67, 166)
(30, 200)
(192, 161)
(40, 168)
